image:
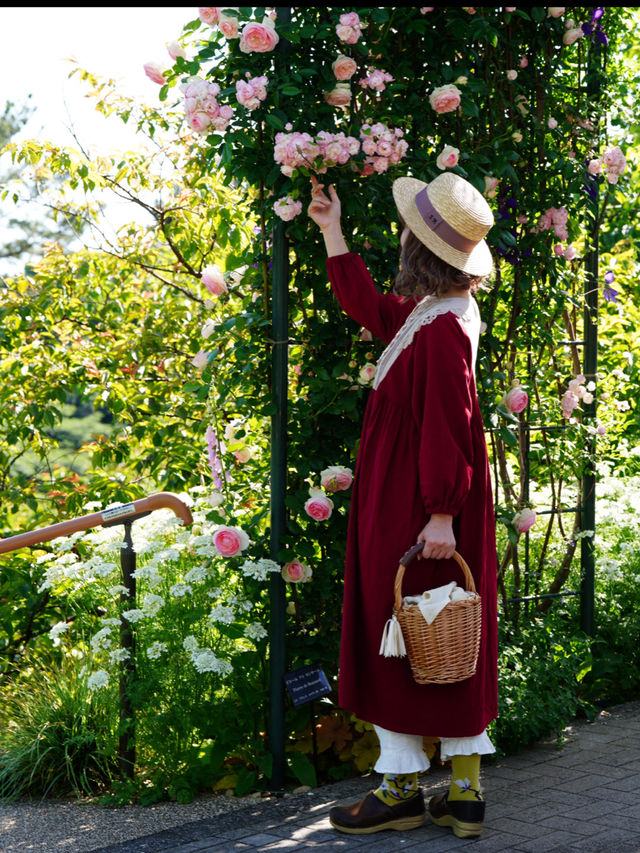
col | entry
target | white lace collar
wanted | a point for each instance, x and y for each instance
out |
(425, 312)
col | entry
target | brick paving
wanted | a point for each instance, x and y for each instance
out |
(581, 798)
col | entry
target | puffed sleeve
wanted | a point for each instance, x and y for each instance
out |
(442, 407)
(382, 314)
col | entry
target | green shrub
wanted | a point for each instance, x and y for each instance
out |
(540, 672)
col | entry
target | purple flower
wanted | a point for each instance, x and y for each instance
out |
(598, 12)
(587, 29)
(213, 446)
(610, 294)
(609, 277)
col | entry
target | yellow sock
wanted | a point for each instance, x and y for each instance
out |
(465, 778)
(394, 789)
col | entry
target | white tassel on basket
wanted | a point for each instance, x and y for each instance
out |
(392, 644)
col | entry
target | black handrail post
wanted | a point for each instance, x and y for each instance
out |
(279, 377)
(127, 730)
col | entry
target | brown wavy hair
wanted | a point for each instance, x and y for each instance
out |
(424, 274)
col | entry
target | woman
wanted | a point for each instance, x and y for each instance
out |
(422, 475)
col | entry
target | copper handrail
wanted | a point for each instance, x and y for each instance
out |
(159, 500)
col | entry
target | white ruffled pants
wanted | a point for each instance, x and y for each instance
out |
(400, 753)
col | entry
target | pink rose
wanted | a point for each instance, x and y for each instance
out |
(199, 122)
(340, 96)
(175, 49)
(523, 62)
(287, 208)
(558, 250)
(228, 27)
(230, 541)
(512, 74)
(213, 279)
(509, 8)
(516, 400)
(448, 157)
(200, 360)
(208, 15)
(570, 252)
(490, 186)
(572, 35)
(555, 11)
(154, 73)
(344, 67)
(319, 506)
(524, 520)
(259, 38)
(243, 455)
(336, 478)
(296, 572)
(445, 99)
(367, 374)
(552, 123)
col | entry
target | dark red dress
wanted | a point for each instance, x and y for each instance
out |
(422, 451)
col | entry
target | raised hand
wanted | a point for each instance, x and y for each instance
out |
(324, 210)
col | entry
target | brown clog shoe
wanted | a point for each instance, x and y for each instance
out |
(465, 817)
(372, 815)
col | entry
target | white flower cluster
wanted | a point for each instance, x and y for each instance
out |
(204, 660)
(259, 569)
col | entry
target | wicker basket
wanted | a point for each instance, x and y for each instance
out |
(447, 650)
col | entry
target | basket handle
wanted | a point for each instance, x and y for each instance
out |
(409, 556)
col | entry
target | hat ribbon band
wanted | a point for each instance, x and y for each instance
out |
(440, 227)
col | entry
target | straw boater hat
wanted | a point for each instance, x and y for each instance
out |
(450, 217)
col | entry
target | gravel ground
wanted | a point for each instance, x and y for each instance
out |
(76, 826)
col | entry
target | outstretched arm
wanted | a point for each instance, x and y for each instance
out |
(325, 212)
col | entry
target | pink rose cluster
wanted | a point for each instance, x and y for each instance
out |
(296, 572)
(319, 506)
(287, 208)
(202, 109)
(516, 400)
(384, 147)
(613, 162)
(230, 541)
(349, 29)
(294, 150)
(445, 99)
(252, 91)
(555, 219)
(376, 79)
(576, 391)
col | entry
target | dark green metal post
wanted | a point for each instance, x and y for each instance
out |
(279, 380)
(127, 737)
(590, 368)
(279, 361)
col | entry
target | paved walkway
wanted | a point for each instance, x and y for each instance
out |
(582, 798)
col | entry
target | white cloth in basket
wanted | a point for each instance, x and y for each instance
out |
(430, 603)
(433, 601)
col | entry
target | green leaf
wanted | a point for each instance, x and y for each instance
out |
(303, 769)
